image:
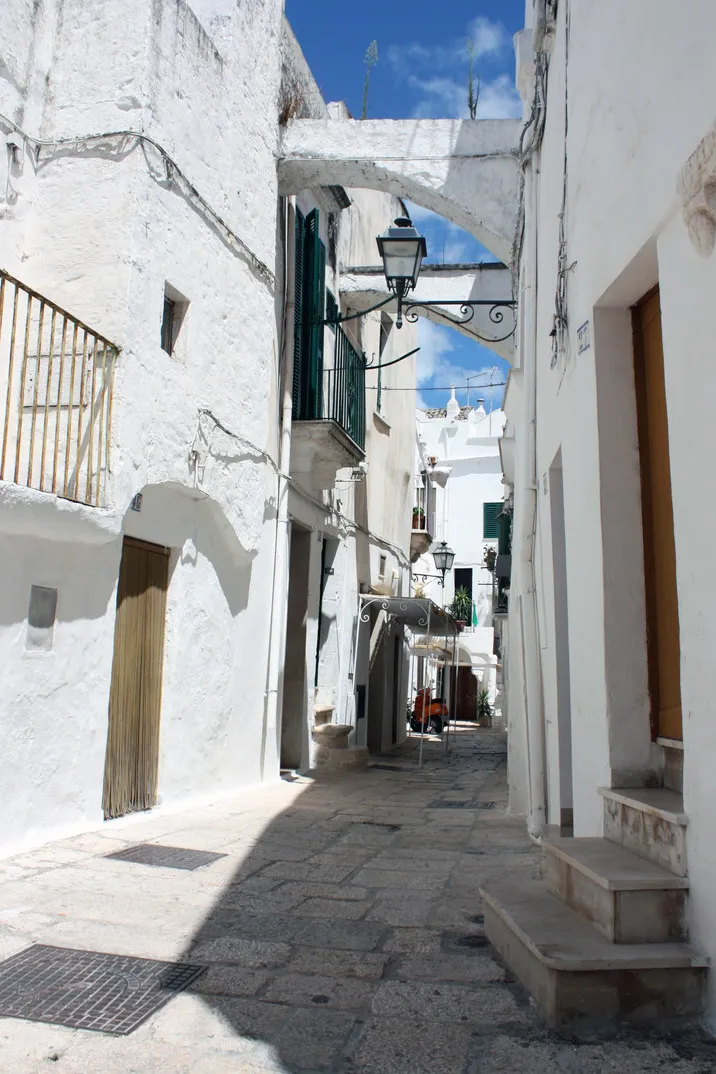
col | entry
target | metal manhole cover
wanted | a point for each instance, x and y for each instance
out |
(88, 989)
(168, 857)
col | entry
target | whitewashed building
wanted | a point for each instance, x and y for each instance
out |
(609, 640)
(191, 499)
(459, 498)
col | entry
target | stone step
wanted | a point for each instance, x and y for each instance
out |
(574, 972)
(648, 821)
(629, 899)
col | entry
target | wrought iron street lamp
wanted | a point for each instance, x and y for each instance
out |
(444, 557)
(402, 249)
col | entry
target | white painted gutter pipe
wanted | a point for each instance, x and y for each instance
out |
(527, 535)
(279, 597)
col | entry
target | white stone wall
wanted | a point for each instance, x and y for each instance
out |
(640, 91)
(100, 227)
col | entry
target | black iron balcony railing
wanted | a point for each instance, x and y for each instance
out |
(336, 395)
(344, 389)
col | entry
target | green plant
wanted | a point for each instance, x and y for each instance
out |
(484, 708)
(461, 606)
(473, 94)
(490, 558)
(371, 59)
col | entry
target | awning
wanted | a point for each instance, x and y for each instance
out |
(420, 615)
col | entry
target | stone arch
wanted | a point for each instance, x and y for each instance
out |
(465, 170)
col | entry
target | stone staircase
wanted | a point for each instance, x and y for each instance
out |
(604, 936)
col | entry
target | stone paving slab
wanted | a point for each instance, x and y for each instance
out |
(341, 933)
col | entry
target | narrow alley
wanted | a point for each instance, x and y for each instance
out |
(339, 929)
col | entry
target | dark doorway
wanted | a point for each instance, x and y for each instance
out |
(398, 702)
(293, 720)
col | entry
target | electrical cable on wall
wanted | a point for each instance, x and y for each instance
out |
(261, 455)
(121, 141)
(560, 331)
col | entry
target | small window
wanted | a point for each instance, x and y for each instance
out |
(168, 325)
(490, 523)
(386, 324)
(173, 313)
(331, 310)
(41, 618)
(381, 568)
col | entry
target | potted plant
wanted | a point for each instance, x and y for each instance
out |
(461, 607)
(418, 518)
(484, 709)
(490, 558)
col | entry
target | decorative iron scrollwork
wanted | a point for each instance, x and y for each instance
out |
(466, 313)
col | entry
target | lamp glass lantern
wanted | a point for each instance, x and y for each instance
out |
(402, 250)
(444, 558)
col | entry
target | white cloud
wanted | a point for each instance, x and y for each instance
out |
(435, 344)
(438, 364)
(488, 37)
(431, 71)
(444, 98)
(499, 100)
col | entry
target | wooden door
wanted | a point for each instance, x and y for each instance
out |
(135, 696)
(662, 607)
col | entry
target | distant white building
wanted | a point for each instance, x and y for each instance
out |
(459, 498)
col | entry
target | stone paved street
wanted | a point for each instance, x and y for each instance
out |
(342, 932)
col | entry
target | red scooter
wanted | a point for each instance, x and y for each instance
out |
(428, 715)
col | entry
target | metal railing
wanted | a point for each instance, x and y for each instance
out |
(424, 508)
(56, 377)
(344, 389)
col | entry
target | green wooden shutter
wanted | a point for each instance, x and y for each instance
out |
(314, 276)
(297, 313)
(490, 524)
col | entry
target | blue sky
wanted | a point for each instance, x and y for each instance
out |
(422, 72)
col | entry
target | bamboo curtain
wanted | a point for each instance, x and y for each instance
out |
(132, 760)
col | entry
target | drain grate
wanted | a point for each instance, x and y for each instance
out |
(469, 803)
(474, 941)
(88, 989)
(390, 767)
(167, 857)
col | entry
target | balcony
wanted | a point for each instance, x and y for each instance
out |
(421, 534)
(56, 377)
(328, 431)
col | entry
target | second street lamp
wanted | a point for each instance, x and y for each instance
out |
(444, 557)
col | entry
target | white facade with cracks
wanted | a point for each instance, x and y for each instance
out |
(127, 183)
(609, 641)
